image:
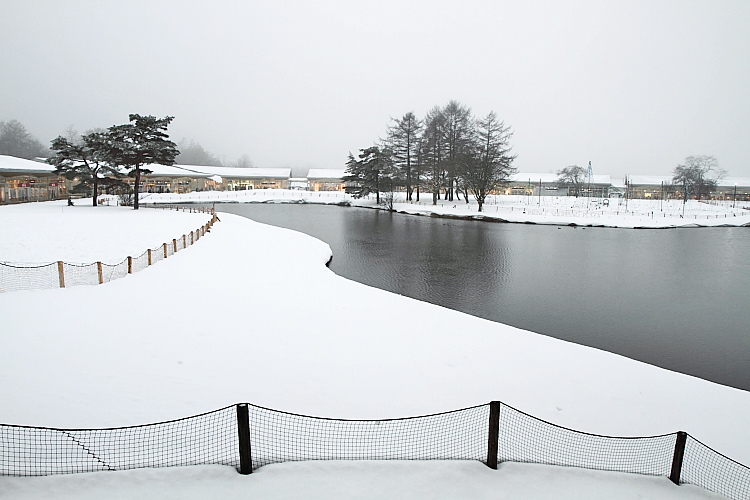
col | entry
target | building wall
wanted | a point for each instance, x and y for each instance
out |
(19, 188)
(326, 185)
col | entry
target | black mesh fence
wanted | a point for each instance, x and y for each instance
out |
(210, 438)
(523, 438)
(285, 437)
(14, 277)
(709, 469)
(247, 437)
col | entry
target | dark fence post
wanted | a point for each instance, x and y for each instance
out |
(679, 454)
(493, 434)
(243, 428)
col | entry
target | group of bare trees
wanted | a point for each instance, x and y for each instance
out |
(448, 152)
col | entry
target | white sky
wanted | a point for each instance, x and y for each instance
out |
(633, 86)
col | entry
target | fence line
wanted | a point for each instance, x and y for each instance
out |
(61, 274)
(246, 437)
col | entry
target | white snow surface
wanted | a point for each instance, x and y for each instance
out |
(251, 314)
(449, 480)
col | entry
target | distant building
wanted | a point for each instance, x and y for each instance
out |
(28, 180)
(326, 179)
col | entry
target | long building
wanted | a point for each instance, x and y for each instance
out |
(27, 180)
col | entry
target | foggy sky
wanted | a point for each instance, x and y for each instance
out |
(632, 86)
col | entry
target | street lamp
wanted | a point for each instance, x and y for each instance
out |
(734, 198)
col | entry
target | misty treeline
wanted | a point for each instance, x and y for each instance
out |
(192, 153)
(448, 152)
(16, 141)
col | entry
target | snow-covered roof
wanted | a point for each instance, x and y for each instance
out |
(550, 178)
(240, 173)
(12, 165)
(158, 170)
(326, 173)
(533, 177)
(649, 180)
(734, 181)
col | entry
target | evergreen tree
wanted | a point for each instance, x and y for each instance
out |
(85, 158)
(141, 142)
(371, 172)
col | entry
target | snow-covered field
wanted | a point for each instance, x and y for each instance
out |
(250, 313)
(452, 480)
(564, 210)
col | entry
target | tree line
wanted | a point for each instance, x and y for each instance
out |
(448, 152)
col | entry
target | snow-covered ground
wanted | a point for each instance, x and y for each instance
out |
(250, 313)
(553, 210)
(354, 480)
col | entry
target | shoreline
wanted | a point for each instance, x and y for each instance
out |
(508, 209)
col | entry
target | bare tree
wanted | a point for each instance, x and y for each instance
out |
(458, 130)
(403, 140)
(573, 177)
(491, 163)
(433, 151)
(692, 176)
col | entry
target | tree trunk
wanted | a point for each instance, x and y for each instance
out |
(137, 187)
(96, 189)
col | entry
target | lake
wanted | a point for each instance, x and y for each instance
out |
(675, 298)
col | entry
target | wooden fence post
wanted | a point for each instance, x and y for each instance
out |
(165, 250)
(174, 244)
(149, 256)
(99, 270)
(130, 264)
(184, 241)
(243, 430)
(679, 454)
(191, 238)
(493, 434)
(61, 273)
(203, 230)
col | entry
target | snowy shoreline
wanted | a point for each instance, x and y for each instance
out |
(562, 211)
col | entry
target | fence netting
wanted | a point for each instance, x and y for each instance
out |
(15, 277)
(284, 437)
(713, 471)
(275, 436)
(210, 438)
(523, 438)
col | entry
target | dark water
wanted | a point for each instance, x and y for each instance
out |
(674, 298)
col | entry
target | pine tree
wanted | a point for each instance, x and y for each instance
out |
(141, 142)
(86, 159)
